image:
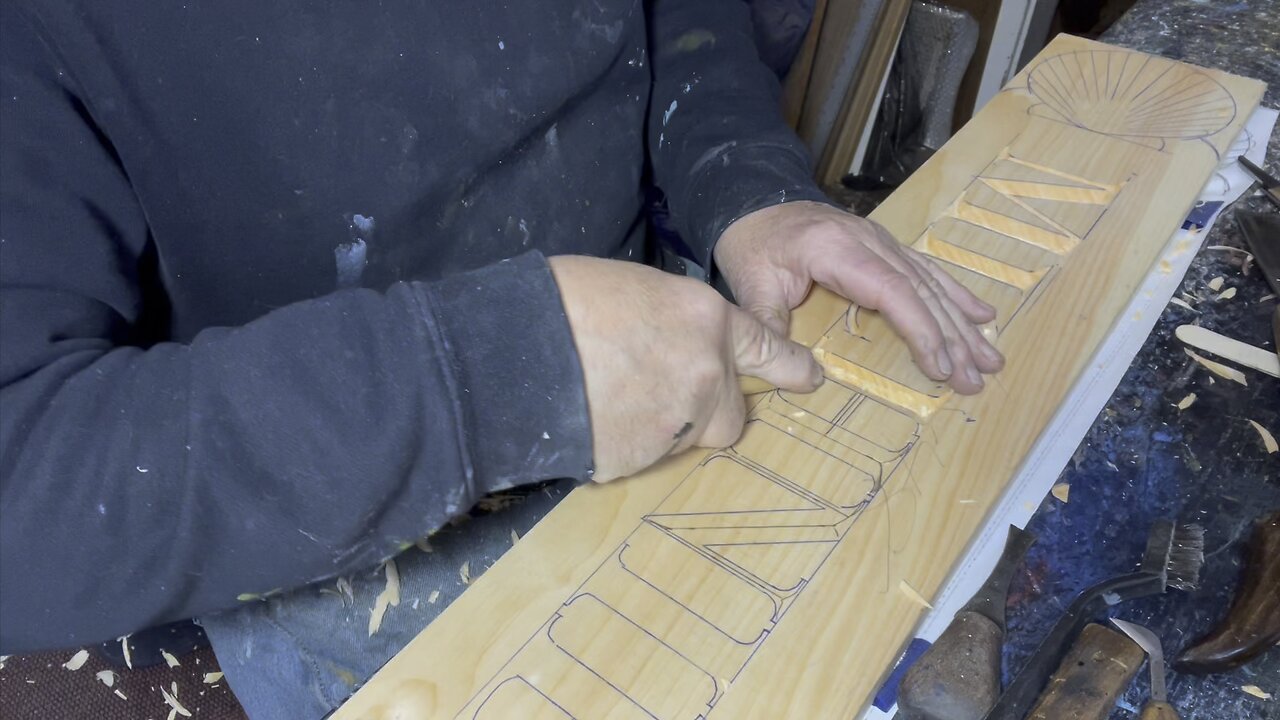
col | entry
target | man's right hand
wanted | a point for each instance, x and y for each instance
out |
(661, 356)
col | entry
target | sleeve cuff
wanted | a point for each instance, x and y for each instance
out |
(738, 181)
(518, 382)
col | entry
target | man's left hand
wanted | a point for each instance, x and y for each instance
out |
(771, 257)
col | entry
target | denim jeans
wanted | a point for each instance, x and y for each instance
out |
(300, 655)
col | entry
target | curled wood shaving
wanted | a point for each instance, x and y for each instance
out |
(1268, 440)
(169, 659)
(124, 645)
(390, 596)
(913, 595)
(1227, 294)
(212, 677)
(1182, 303)
(1187, 401)
(1226, 247)
(1256, 691)
(1219, 369)
(1216, 283)
(464, 572)
(172, 701)
(1062, 491)
(106, 677)
(77, 661)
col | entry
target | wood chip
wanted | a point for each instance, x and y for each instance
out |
(1062, 491)
(433, 597)
(1231, 349)
(1227, 294)
(913, 595)
(1182, 303)
(1268, 440)
(172, 701)
(1216, 283)
(1187, 401)
(389, 597)
(212, 677)
(77, 660)
(169, 659)
(124, 645)
(1256, 691)
(106, 677)
(515, 537)
(1219, 369)
(121, 695)
(464, 572)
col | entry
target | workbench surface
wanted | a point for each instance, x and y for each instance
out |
(1143, 458)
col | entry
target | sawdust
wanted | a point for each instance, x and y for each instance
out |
(1256, 691)
(77, 661)
(913, 595)
(1187, 401)
(1219, 369)
(172, 701)
(1062, 491)
(389, 597)
(1268, 440)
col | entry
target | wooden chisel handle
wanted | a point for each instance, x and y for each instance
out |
(1156, 710)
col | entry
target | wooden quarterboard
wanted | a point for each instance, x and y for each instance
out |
(779, 578)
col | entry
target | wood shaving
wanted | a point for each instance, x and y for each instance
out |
(1182, 303)
(913, 595)
(433, 597)
(425, 546)
(169, 659)
(1268, 296)
(121, 695)
(124, 645)
(1226, 247)
(212, 677)
(464, 572)
(1227, 294)
(515, 537)
(1187, 401)
(77, 661)
(106, 677)
(172, 701)
(1062, 491)
(1268, 440)
(389, 597)
(415, 603)
(1256, 691)
(1216, 283)
(1166, 267)
(1219, 369)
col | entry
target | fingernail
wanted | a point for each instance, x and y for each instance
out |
(944, 363)
(974, 376)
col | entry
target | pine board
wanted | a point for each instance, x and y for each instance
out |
(774, 579)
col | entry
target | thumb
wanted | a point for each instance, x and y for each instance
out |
(767, 301)
(761, 352)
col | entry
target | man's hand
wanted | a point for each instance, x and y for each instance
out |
(772, 256)
(661, 355)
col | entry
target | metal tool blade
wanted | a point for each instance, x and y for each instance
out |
(1148, 641)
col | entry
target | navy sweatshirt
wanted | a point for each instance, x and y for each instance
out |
(273, 291)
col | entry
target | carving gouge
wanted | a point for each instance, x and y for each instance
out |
(1158, 708)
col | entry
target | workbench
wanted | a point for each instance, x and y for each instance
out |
(1143, 458)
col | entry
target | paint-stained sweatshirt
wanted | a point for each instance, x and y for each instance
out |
(273, 291)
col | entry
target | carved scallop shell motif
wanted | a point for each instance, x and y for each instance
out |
(1131, 95)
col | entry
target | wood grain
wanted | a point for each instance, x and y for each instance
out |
(763, 580)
